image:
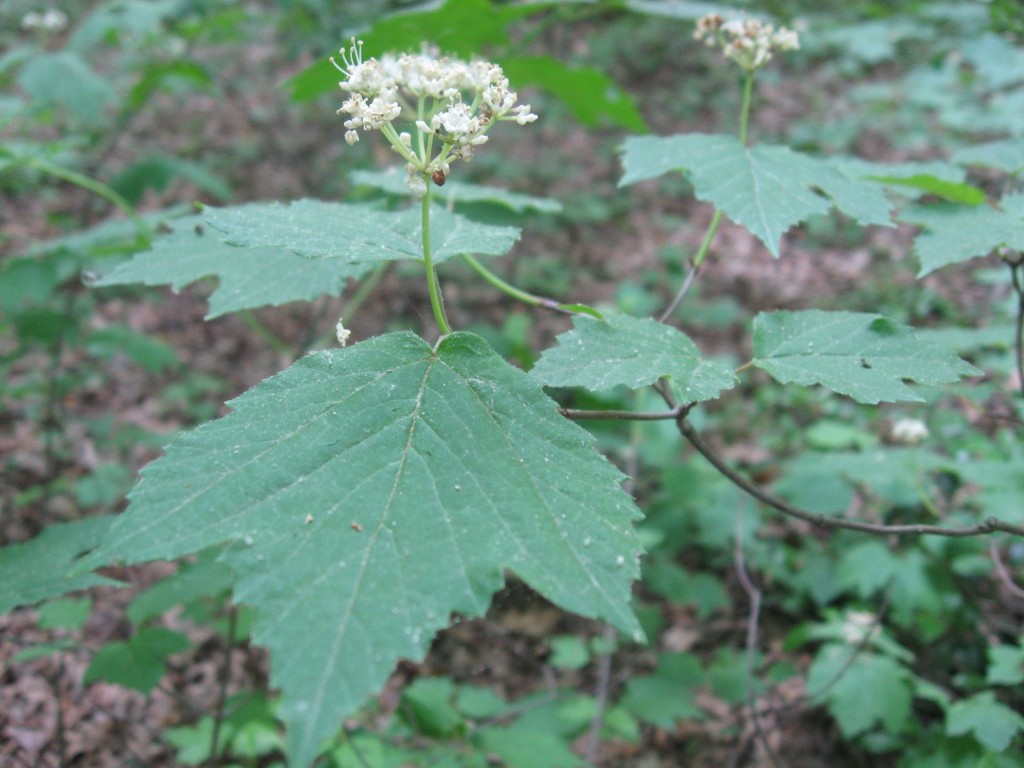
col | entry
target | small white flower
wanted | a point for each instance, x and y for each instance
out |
(458, 119)
(342, 333)
(909, 431)
(417, 185)
(523, 115)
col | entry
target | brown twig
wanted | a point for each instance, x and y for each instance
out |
(753, 623)
(1018, 287)
(580, 415)
(222, 692)
(1003, 572)
(687, 282)
(990, 525)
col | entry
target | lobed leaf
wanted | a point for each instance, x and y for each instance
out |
(862, 690)
(861, 355)
(248, 277)
(369, 492)
(767, 189)
(138, 663)
(955, 234)
(37, 569)
(633, 352)
(993, 724)
(356, 233)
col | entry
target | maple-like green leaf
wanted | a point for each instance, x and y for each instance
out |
(357, 233)
(666, 696)
(369, 492)
(633, 352)
(861, 689)
(991, 723)
(861, 355)
(955, 234)
(767, 189)
(248, 277)
(393, 182)
(138, 663)
(37, 569)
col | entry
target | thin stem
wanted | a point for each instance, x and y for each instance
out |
(91, 185)
(1018, 287)
(436, 301)
(1003, 572)
(59, 725)
(748, 92)
(225, 677)
(754, 593)
(989, 525)
(506, 287)
(716, 220)
(271, 339)
(580, 415)
(687, 282)
(604, 677)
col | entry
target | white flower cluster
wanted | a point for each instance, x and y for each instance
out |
(51, 20)
(451, 103)
(746, 41)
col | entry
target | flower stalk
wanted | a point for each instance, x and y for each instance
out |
(433, 287)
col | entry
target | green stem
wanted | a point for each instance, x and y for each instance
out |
(706, 245)
(436, 302)
(271, 339)
(517, 293)
(716, 220)
(748, 92)
(501, 285)
(96, 187)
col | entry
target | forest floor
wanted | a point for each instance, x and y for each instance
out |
(49, 718)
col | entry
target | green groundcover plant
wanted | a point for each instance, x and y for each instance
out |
(360, 498)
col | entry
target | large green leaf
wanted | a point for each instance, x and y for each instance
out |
(249, 277)
(587, 92)
(36, 569)
(767, 189)
(861, 355)
(633, 352)
(356, 233)
(955, 234)
(370, 492)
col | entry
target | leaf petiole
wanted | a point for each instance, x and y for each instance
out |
(436, 300)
